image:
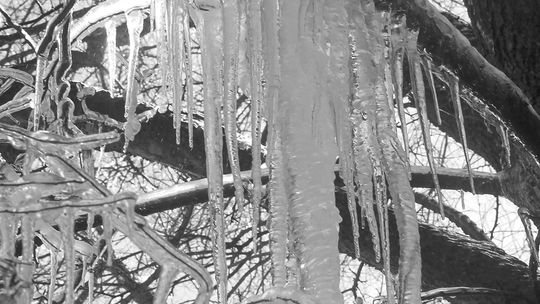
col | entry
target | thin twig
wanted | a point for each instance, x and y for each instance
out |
(18, 28)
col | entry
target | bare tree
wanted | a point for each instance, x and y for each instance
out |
(150, 145)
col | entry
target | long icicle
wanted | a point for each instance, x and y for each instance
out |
(176, 49)
(279, 210)
(253, 15)
(397, 42)
(231, 37)
(362, 116)
(417, 83)
(161, 23)
(308, 143)
(380, 58)
(188, 66)
(394, 165)
(134, 24)
(209, 27)
(110, 28)
(428, 69)
(453, 83)
(336, 16)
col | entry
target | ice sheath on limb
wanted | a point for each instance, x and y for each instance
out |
(417, 83)
(253, 16)
(231, 39)
(211, 35)
(160, 250)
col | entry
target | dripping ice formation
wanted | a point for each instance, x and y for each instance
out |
(318, 78)
(134, 20)
(417, 82)
(254, 53)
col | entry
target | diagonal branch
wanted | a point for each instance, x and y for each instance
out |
(444, 41)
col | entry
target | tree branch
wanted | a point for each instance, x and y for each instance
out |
(443, 40)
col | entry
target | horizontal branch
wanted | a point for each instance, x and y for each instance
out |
(448, 259)
(194, 192)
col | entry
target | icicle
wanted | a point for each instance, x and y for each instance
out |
(270, 46)
(110, 28)
(279, 207)
(54, 269)
(417, 83)
(66, 228)
(381, 97)
(397, 41)
(503, 133)
(428, 69)
(393, 164)
(27, 266)
(308, 143)
(231, 37)
(336, 17)
(176, 57)
(210, 28)
(166, 278)
(188, 66)
(161, 23)
(380, 193)
(134, 23)
(362, 117)
(525, 215)
(382, 210)
(279, 210)
(453, 83)
(253, 16)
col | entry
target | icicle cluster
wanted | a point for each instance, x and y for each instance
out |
(323, 75)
